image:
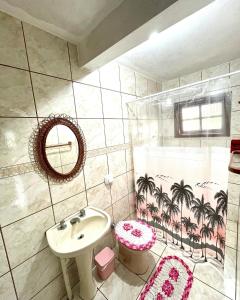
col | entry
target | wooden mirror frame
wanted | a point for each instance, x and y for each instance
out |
(37, 148)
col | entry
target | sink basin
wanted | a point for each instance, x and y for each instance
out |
(76, 240)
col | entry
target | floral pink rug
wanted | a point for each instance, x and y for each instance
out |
(172, 280)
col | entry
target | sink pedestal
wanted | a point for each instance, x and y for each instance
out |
(88, 287)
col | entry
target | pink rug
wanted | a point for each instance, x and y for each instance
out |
(172, 280)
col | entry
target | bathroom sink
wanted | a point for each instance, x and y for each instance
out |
(75, 237)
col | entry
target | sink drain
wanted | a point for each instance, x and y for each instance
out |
(80, 236)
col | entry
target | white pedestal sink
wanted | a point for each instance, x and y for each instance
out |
(76, 239)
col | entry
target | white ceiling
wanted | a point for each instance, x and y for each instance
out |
(208, 37)
(69, 19)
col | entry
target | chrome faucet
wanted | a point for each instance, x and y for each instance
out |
(74, 220)
(82, 213)
(62, 225)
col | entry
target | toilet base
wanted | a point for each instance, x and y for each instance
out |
(134, 260)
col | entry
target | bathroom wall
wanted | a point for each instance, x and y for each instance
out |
(39, 75)
(232, 228)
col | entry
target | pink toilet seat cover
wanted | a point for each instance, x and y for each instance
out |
(135, 235)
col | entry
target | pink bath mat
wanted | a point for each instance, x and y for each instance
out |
(172, 280)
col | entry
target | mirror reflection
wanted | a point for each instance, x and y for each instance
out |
(62, 149)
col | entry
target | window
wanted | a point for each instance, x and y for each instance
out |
(209, 116)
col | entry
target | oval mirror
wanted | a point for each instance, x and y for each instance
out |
(58, 148)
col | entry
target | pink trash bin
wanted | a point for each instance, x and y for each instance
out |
(105, 263)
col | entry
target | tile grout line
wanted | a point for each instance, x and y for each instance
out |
(9, 265)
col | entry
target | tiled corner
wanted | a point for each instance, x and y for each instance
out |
(128, 81)
(80, 74)
(16, 97)
(29, 231)
(109, 76)
(131, 182)
(12, 49)
(121, 209)
(141, 85)
(69, 206)
(31, 276)
(152, 87)
(21, 196)
(53, 96)
(99, 196)
(119, 187)
(112, 104)
(47, 53)
(88, 101)
(235, 66)
(125, 99)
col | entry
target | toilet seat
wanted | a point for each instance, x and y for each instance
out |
(135, 238)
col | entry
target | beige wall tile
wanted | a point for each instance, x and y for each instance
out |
(47, 53)
(119, 187)
(215, 71)
(79, 74)
(127, 77)
(190, 78)
(114, 132)
(125, 99)
(132, 202)
(99, 196)
(232, 212)
(117, 162)
(3, 259)
(6, 287)
(121, 209)
(236, 98)
(170, 84)
(95, 169)
(141, 85)
(29, 231)
(16, 98)
(53, 96)
(93, 130)
(235, 66)
(107, 241)
(112, 104)
(70, 206)
(88, 101)
(65, 190)
(231, 239)
(12, 48)
(131, 182)
(235, 123)
(234, 194)
(109, 76)
(152, 87)
(127, 135)
(232, 226)
(21, 196)
(129, 159)
(31, 276)
(14, 138)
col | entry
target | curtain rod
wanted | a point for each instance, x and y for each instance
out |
(188, 85)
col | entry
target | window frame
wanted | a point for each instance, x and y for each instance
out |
(224, 98)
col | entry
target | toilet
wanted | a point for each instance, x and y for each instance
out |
(134, 238)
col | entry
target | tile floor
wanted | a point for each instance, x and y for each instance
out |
(210, 281)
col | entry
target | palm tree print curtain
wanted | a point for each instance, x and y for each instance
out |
(183, 194)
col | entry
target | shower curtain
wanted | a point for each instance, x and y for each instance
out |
(181, 183)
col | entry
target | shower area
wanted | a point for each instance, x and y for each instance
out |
(181, 141)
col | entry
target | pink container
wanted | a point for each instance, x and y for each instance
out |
(104, 261)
